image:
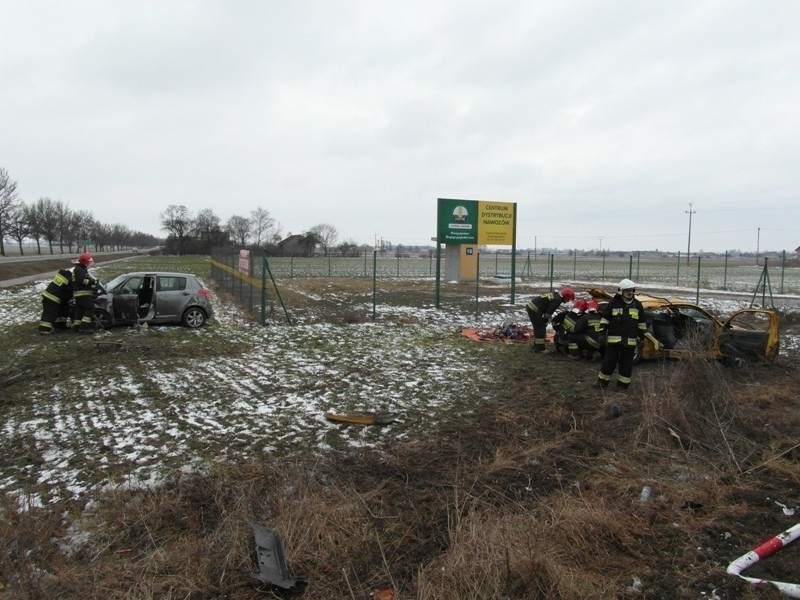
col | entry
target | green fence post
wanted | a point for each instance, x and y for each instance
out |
(574, 263)
(374, 279)
(697, 293)
(291, 266)
(725, 272)
(496, 271)
(678, 276)
(638, 262)
(630, 266)
(437, 290)
(514, 273)
(783, 269)
(263, 287)
(477, 281)
(329, 265)
(430, 266)
(398, 266)
(250, 280)
(603, 276)
(228, 274)
(552, 268)
(240, 277)
(277, 291)
(365, 264)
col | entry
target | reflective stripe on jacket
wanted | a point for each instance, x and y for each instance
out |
(59, 290)
(83, 283)
(546, 304)
(624, 321)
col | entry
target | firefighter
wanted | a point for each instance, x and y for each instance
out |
(55, 302)
(83, 289)
(587, 334)
(624, 322)
(563, 324)
(540, 309)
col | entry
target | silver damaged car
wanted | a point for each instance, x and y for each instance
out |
(153, 298)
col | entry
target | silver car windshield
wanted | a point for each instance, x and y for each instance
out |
(114, 283)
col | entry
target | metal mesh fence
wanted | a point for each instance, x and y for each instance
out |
(250, 292)
(251, 282)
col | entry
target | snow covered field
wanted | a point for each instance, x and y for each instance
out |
(83, 416)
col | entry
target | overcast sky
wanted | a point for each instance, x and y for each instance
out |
(602, 120)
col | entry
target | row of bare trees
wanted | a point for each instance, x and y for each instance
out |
(198, 234)
(54, 224)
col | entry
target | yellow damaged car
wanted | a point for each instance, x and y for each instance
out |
(677, 328)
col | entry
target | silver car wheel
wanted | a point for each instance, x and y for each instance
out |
(102, 319)
(193, 318)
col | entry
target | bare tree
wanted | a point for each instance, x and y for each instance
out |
(34, 226)
(326, 236)
(264, 227)
(121, 236)
(177, 221)
(47, 218)
(309, 242)
(18, 228)
(85, 224)
(64, 218)
(349, 248)
(239, 229)
(8, 202)
(100, 234)
(71, 230)
(209, 229)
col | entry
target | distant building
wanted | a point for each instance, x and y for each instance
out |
(294, 245)
(297, 245)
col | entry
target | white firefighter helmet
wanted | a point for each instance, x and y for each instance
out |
(626, 284)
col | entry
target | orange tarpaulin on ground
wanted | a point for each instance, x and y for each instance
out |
(500, 334)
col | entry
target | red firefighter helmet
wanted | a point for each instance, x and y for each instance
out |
(85, 259)
(567, 295)
(579, 306)
(592, 306)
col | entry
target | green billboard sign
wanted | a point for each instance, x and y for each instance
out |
(457, 221)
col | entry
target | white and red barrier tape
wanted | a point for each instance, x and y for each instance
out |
(792, 590)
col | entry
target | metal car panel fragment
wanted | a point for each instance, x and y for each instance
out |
(271, 558)
(750, 334)
(680, 329)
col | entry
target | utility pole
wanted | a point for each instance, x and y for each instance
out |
(758, 244)
(601, 246)
(689, 244)
(535, 242)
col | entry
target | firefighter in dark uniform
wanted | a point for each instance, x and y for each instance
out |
(540, 309)
(563, 324)
(55, 302)
(587, 334)
(83, 289)
(624, 322)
